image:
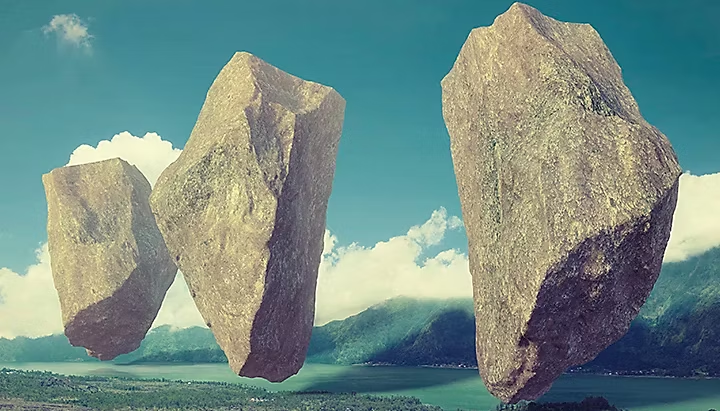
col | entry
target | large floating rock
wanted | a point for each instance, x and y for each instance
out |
(109, 261)
(243, 211)
(567, 195)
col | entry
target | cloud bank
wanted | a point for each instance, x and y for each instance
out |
(150, 153)
(178, 310)
(351, 277)
(29, 305)
(69, 29)
(696, 225)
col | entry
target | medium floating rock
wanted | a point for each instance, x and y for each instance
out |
(243, 211)
(109, 262)
(567, 195)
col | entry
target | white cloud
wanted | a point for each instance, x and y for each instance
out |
(353, 278)
(29, 304)
(69, 29)
(150, 153)
(696, 224)
(178, 309)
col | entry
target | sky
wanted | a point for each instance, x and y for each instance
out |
(86, 80)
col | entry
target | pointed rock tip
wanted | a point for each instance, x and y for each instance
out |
(246, 58)
(243, 55)
(112, 162)
(522, 10)
(108, 161)
(106, 164)
(519, 6)
(521, 14)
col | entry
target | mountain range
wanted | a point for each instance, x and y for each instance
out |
(676, 333)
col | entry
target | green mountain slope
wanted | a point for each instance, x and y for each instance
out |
(164, 344)
(45, 349)
(678, 329)
(391, 324)
(447, 339)
(685, 286)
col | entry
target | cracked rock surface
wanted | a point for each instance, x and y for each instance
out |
(567, 196)
(243, 211)
(109, 262)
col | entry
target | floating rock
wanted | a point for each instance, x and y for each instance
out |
(567, 195)
(243, 211)
(109, 261)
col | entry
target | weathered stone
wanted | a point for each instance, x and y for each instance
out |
(567, 195)
(243, 211)
(109, 261)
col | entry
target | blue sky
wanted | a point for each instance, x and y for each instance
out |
(145, 66)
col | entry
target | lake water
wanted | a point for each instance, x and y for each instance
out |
(448, 388)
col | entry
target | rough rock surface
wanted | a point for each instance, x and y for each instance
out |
(567, 196)
(243, 211)
(109, 261)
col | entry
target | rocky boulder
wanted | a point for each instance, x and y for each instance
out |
(243, 211)
(567, 196)
(109, 262)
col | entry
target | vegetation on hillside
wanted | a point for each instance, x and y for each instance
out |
(102, 393)
(399, 331)
(45, 349)
(165, 344)
(45, 390)
(678, 329)
(162, 344)
(448, 338)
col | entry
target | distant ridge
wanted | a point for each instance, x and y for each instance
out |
(401, 331)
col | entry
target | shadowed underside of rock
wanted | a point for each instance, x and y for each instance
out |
(243, 211)
(109, 262)
(567, 196)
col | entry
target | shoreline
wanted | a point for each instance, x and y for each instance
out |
(603, 373)
(607, 373)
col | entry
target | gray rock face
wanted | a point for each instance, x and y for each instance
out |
(109, 262)
(243, 211)
(567, 195)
